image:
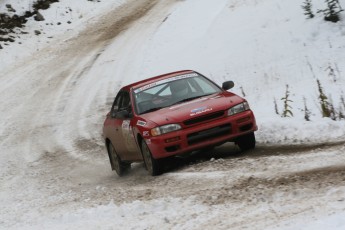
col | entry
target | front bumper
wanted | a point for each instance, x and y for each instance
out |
(202, 135)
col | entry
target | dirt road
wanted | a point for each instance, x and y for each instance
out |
(287, 182)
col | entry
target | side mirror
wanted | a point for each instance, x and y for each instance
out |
(112, 114)
(228, 85)
(123, 114)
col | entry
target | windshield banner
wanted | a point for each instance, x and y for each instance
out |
(138, 90)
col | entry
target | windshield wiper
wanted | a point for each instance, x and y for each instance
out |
(152, 109)
(188, 99)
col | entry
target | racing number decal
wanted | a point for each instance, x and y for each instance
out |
(146, 133)
(128, 135)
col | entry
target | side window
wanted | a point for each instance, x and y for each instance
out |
(121, 103)
(125, 102)
(116, 104)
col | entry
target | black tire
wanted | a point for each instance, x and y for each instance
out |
(116, 164)
(151, 164)
(246, 142)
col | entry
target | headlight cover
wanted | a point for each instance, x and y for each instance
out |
(238, 108)
(165, 129)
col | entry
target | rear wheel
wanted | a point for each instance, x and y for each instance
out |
(116, 164)
(151, 164)
(246, 142)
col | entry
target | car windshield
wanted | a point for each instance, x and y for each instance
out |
(171, 91)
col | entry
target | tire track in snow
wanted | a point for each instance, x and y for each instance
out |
(88, 122)
(118, 66)
(41, 93)
(53, 80)
(53, 121)
(240, 182)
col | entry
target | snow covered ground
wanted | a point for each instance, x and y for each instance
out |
(56, 88)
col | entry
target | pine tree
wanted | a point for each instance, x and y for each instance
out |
(325, 107)
(332, 111)
(243, 93)
(287, 108)
(331, 72)
(276, 106)
(331, 13)
(342, 100)
(341, 114)
(307, 9)
(306, 110)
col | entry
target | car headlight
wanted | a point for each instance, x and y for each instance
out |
(165, 129)
(238, 108)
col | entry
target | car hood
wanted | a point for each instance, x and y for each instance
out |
(198, 107)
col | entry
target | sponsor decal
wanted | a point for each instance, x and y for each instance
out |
(141, 123)
(200, 110)
(165, 81)
(128, 136)
(145, 87)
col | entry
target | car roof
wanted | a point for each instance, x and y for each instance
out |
(156, 78)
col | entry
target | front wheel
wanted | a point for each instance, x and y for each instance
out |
(152, 165)
(246, 142)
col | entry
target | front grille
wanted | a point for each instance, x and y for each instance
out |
(203, 135)
(204, 118)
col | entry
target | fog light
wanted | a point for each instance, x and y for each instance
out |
(169, 140)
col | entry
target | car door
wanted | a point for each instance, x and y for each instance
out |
(121, 128)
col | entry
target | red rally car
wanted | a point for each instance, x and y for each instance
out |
(173, 114)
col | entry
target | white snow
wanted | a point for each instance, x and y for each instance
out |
(52, 110)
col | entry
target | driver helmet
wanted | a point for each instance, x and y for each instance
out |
(179, 88)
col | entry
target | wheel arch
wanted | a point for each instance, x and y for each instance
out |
(139, 140)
